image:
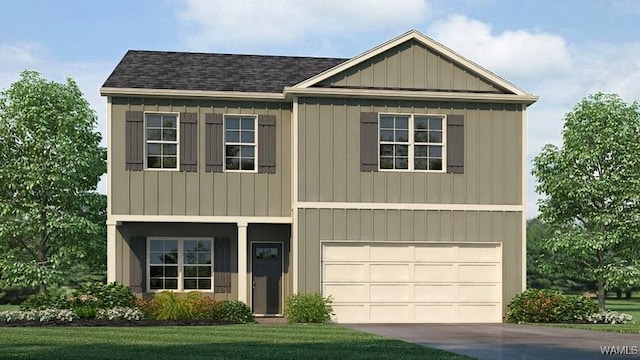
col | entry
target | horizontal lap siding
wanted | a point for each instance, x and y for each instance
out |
(201, 193)
(318, 225)
(329, 155)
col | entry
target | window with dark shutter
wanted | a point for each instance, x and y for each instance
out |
(267, 144)
(455, 144)
(189, 142)
(214, 142)
(368, 141)
(134, 147)
(222, 265)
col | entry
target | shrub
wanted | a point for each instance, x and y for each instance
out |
(109, 295)
(168, 305)
(119, 313)
(549, 306)
(233, 311)
(44, 301)
(205, 308)
(308, 308)
(610, 317)
(38, 315)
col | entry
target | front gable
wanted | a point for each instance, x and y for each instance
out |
(412, 62)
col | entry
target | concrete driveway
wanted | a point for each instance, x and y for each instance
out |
(510, 341)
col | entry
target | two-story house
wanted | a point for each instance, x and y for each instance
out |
(393, 181)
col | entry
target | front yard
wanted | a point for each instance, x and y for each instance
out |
(249, 341)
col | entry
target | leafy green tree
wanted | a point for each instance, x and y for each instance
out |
(51, 217)
(591, 189)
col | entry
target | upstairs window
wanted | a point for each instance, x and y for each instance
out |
(161, 148)
(240, 143)
(411, 142)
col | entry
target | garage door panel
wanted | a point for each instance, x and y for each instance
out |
(390, 313)
(350, 313)
(390, 272)
(390, 293)
(436, 293)
(435, 313)
(391, 253)
(436, 253)
(479, 313)
(476, 293)
(436, 272)
(416, 282)
(347, 292)
(479, 273)
(338, 252)
(344, 272)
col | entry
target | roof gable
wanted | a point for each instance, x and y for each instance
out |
(416, 62)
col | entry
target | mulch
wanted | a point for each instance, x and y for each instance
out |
(114, 323)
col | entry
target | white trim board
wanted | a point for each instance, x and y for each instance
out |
(408, 206)
(115, 219)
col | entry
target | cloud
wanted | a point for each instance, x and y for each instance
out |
(16, 57)
(260, 25)
(512, 54)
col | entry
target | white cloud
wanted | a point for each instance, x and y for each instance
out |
(512, 54)
(16, 57)
(258, 25)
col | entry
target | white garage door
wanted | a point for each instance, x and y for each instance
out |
(404, 283)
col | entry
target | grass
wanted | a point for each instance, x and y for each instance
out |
(631, 307)
(9, 307)
(249, 341)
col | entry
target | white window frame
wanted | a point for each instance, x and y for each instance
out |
(180, 264)
(411, 143)
(255, 142)
(177, 141)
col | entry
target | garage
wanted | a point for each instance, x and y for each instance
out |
(413, 282)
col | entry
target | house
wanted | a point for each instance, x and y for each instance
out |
(393, 181)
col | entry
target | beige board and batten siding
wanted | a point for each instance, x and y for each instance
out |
(329, 155)
(411, 65)
(387, 226)
(200, 193)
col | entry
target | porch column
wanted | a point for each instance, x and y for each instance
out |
(242, 262)
(111, 253)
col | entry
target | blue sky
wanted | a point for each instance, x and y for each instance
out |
(559, 50)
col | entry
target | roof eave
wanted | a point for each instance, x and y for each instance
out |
(227, 95)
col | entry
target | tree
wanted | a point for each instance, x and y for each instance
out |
(51, 217)
(591, 189)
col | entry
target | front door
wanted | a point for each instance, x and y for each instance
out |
(266, 277)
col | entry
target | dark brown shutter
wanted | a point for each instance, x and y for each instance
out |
(267, 144)
(368, 141)
(188, 142)
(138, 264)
(222, 265)
(455, 144)
(214, 142)
(135, 140)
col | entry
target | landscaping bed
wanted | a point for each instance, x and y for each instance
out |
(114, 323)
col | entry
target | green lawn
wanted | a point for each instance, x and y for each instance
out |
(9, 307)
(631, 307)
(249, 341)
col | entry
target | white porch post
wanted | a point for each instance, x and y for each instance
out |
(111, 253)
(242, 262)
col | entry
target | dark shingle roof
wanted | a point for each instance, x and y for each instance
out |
(214, 72)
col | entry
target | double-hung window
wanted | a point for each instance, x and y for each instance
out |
(240, 143)
(411, 142)
(161, 148)
(180, 264)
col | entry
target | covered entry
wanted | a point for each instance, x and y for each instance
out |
(413, 282)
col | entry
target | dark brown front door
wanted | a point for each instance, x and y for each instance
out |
(267, 277)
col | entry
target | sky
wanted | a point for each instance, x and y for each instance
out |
(561, 51)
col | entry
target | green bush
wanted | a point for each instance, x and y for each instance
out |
(168, 305)
(233, 311)
(109, 295)
(45, 301)
(308, 308)
(549, 306)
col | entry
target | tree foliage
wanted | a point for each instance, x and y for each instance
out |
(52, 218)
(591, 189)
